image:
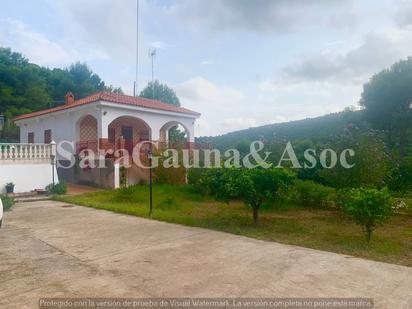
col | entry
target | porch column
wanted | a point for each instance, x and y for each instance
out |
(102, 130)
(155, 133)
(191, 132)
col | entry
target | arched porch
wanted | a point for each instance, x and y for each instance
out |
(126, 132)
(174, 133)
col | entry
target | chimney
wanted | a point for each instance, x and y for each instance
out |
(69, 98)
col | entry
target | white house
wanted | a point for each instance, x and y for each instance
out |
(104, 121)
(101, 120)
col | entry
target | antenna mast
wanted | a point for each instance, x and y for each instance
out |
(152, 54)
(137, 50)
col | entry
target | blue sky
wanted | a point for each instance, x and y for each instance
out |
(241, 63)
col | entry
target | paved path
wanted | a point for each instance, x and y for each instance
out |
(54, 249)
(75, 189)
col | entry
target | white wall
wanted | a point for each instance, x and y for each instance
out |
(26, 177)
(63, 123)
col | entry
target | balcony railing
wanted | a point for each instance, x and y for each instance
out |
(36, 153)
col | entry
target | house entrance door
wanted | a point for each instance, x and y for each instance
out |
(127, 133)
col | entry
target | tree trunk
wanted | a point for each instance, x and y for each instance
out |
(255, 214)
(368, 230)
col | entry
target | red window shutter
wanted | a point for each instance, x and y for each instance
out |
(30, 138)
(47, 136)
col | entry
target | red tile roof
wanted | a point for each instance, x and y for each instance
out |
(114, 98)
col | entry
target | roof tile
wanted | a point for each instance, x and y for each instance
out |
(114, 98)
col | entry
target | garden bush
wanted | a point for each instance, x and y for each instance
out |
(207, 181)
(255, 186)
(58, 188)
(173, 175)
(309, 193)
(7, 201)
(194, 178)
(401, 178)
(127, 194)
(367, 207)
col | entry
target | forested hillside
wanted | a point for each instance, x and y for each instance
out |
(26, 87)
(317, 129)
(380, 134)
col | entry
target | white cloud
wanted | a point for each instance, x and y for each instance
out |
(214, 103)
(111, 25)
(159, 45)
(264, 16)
(238, 123)
(201, 90)
(378, 50)
(40, 49)
(108, 24)
(403, 14)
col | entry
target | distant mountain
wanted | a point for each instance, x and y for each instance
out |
(319, 129)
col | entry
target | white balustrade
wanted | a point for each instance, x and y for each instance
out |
(38, 153)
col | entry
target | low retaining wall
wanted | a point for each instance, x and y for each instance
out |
(26, 176)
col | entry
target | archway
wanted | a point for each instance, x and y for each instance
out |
(86, 133)
(126, 132)
(175, 133)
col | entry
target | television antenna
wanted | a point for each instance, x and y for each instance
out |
(152, 54)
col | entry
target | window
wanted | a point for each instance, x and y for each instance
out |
(127, 133)
(144, 135)
(47, 136)
(30, 138)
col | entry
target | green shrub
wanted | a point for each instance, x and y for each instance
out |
(207, 181)
(126, 194)
(255, 186)
(309, 193)
(58, 188)
(169, 175)
(401, 178)
(7, 201)
(194, 178)
(367, 207)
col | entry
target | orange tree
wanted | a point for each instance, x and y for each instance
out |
(367, 207)
(255, 186)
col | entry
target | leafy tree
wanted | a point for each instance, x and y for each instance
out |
(255, 186)
(27, 87)
(79, 79)
(367, 207)
(401, 179)
(161, 92)
(22, 88)
(387, 99)
(371, 161)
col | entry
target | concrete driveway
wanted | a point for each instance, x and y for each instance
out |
(51, 249)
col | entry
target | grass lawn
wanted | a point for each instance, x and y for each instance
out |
(324, 229)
